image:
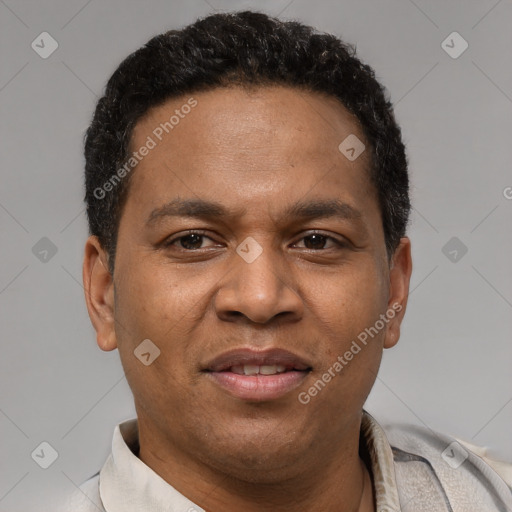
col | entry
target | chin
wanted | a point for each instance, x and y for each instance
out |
(258, 458)
(260, 468)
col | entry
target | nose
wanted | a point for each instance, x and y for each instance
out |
(259, 290)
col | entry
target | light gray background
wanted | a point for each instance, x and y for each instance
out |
(451, 369)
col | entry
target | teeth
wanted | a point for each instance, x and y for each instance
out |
(271, 370)
(250, 369)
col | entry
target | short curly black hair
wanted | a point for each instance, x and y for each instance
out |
(239, 48)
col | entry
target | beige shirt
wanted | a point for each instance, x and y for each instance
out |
(412, 469)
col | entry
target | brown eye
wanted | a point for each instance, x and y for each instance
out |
(315, 241)
(192, 241)
(318, 241)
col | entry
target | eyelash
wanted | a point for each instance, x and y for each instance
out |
(168, 243)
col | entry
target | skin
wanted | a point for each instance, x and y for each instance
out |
(256, 152)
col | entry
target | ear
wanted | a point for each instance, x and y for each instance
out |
(99, 293)
(399, 278)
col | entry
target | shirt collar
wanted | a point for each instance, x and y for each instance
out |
(381, 464)
(129, 485)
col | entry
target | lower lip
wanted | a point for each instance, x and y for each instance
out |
(258, 387)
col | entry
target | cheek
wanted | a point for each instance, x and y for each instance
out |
(350, 300)
(157, 299)
(153, 304)
(352, 304)
(163, 306)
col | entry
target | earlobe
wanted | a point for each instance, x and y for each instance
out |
(399, 279)
(99, 293)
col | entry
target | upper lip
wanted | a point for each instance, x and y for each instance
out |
(249, 356)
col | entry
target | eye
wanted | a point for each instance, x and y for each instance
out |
(317, 241)
(192, 241)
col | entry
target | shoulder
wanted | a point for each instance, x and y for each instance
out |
(428, 463)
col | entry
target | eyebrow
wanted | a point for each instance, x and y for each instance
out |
(323, 209)
(200, 208)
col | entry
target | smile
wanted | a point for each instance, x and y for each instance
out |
(257, 376)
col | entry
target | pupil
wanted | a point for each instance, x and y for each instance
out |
(318, 241)
(196, 243)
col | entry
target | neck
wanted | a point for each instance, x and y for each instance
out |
(335, 480)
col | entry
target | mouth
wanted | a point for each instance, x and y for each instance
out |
(257, 376)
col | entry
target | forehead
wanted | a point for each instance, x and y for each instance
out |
(250, 146)
(269, 116)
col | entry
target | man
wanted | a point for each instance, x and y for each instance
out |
(247, 196)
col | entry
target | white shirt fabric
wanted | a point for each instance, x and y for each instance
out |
(409, 474)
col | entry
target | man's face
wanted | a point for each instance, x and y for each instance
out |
(268, 268)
